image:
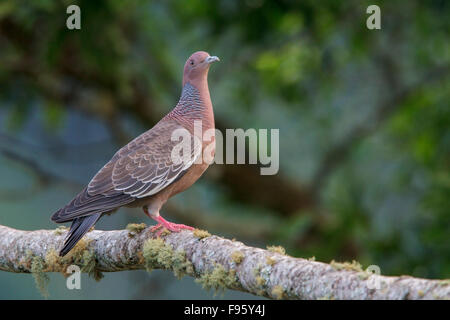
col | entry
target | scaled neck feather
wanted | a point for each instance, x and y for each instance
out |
(194, 104)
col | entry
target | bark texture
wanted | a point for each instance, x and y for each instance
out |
(217, 263)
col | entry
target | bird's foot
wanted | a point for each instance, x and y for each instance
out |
(154, 228)
(164, 224)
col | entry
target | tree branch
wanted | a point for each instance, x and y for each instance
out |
(216, 262)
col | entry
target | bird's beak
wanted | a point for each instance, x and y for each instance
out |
(211, 59)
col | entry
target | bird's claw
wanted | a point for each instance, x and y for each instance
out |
(169, 226)
(154, 228)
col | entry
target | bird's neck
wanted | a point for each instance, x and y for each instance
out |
(195, 104)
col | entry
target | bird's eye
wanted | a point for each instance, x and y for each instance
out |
(192, 62)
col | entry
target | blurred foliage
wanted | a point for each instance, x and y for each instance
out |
(364, 115)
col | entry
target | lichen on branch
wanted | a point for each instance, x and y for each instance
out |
(215, 262)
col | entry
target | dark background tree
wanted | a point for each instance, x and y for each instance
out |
(363, 115)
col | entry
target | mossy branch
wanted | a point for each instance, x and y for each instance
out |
(217, 263)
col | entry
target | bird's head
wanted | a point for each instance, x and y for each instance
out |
(197, 66)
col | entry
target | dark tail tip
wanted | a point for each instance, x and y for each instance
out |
(65, 250)
(80, 226)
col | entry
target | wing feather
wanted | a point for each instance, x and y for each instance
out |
(141, 168)
(144, 167)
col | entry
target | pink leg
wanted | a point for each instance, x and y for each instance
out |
(174, 227)
(163, 223)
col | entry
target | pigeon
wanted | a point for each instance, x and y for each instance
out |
(145, 173)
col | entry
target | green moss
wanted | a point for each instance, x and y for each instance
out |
(40, 277)
(165, 232)
(76, 254)
(180, 265)
(158, 254)
(53, 260)
(237, 257)
(256, 271)
(364, 275)
(262, 274)
(88, 259)
(135, 228)
(80, 255)
(60, 230)
(270, 261)
(218, 279)
(260, 282)
(277, 249)
(445, 282)
(278, 292)
(201, 233)
(88, 265)
(354, 266)
(327, 297)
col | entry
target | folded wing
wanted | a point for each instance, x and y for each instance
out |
(142, 168)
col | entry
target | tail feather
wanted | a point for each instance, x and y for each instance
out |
(85, 204)
(80, 226)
